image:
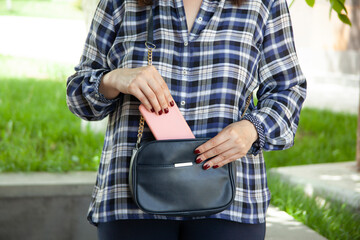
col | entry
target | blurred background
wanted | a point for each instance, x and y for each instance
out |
(45, 151)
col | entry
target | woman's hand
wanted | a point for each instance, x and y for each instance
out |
(231, 143)
(145, 83)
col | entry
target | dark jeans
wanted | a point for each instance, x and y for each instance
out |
(208, 229)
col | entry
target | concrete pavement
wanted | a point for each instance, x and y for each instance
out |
(281, 226)
(338, 93)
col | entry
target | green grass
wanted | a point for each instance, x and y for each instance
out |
(331, 219)
(43, 8)
(38, 132)
(322, 137)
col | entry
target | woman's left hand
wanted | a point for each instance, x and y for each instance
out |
(233, 142)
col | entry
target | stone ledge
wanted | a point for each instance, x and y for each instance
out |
(338, 181)
(42, 184)
(46, 206)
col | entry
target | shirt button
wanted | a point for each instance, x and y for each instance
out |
(182, 103)
(200, 19)
(186, 43)
(97, 95)
(184, 72)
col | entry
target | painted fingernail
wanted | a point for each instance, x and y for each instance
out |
(198, 160)
(216, 166)
(197, 151)
(160, 112)
(166, 110)
(172, 103)
(206, 166)
(152, 110)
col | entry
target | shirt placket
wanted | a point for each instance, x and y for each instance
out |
(183, 68)
(187, 39)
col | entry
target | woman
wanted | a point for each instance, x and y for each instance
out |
(210, 56)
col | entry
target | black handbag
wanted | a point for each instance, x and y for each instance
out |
(164, 178)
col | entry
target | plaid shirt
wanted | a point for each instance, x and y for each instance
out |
(230, 52)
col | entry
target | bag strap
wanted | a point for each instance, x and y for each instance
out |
(150, 30)
(150, 46)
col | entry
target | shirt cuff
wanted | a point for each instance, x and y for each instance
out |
(99, 96)
(260, 142)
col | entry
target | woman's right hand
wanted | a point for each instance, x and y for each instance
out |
(145, 83)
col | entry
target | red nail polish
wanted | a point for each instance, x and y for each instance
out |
(197, 151)
(152, 110)
(206, 166)
(198, 160)
(216, 166)
(166, 110)
(160, 112)
(172, 103)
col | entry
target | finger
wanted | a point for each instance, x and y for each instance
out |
(151, 96)
(220, 164)
(166, 92)
(160, 87)
(168, 98)
(170, 101)
(162, 92)
(159, 93)
(213, 142)
(143, 99)
(218, 150)
(221, 158)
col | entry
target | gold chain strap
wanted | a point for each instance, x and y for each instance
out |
(140, 130)
(150, 47)
(248, 101)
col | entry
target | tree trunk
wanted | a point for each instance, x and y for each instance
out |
(358, 138)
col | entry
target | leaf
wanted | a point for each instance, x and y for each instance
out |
(311, 3)
(338, 6)
(344, 18)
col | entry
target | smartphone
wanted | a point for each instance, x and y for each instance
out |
(171, 125)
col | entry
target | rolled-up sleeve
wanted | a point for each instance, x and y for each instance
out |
(83, 96)
(282, 85)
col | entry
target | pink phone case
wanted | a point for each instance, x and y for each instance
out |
(171, 125)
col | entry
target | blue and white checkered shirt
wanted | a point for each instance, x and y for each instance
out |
(229, 52)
